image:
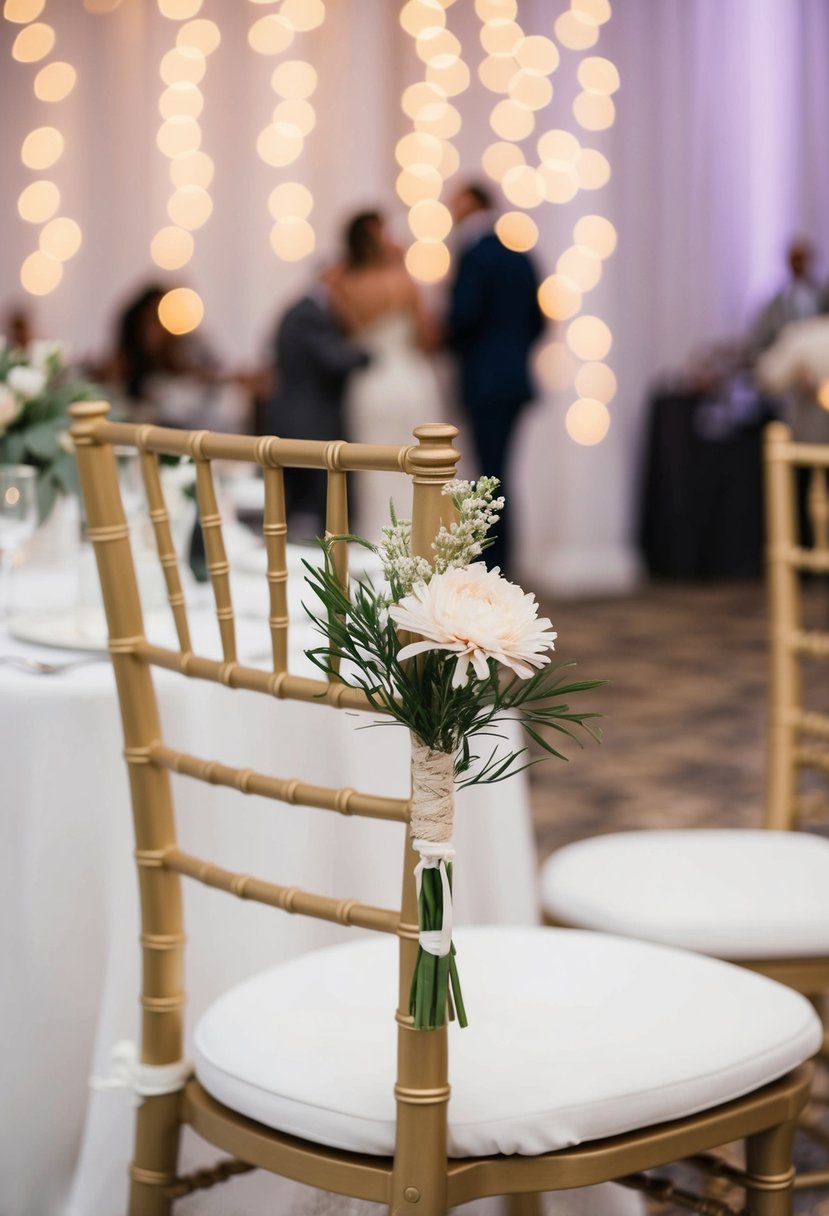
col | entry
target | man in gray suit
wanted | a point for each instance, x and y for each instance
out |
(314, 359)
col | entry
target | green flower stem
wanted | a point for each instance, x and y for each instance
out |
(435, 993)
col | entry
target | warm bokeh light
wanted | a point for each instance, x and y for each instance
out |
(292, 239)
(55, 81)
(40, 273)
(181, 310)
(501, 36)
(60, 238)
(179, 10)
(418, 183)
(589, 338)
(559, 298)
(576, 31)
(41, 148)
(183, 64)
(194, 169)
(420, 96)
(428, 261)
(418, 148)
(181, 101)
(38, 202)
(436, 44)
(559, 180)
(534, 92)
(452, 78)
(496, 73)
(294, 79)
(581, 265)
(430, 220)
(592, 169)
(523, 186)
(495, 10)
(204, 35)
(440, 119)
(511, 121)
(279, 146)
(290, 200)
(499, 158)
(419, 15)
(20, 12)
(555, 366)
(33, 43)
(537, 54)
(517, 231)
(587, 421)
(558, 145)
(592, 10)
(598, 234)
(823, 394)
(190, 207)
(270, 35)
(450, 159)
(297, 115)
(596, 380)
(171, 248)
(594, 111)
(178, 136)
(598, 75)
(303, 15)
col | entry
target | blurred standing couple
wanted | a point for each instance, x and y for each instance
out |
(354, 358)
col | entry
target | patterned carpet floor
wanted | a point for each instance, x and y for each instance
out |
(684, 724)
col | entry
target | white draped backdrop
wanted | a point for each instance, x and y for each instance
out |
(718, 156)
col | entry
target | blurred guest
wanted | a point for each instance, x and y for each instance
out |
(174, 379)
(494, 319)
(796, 367)
(398, 390)
(18, 329)
(799, 298)
(314, 359)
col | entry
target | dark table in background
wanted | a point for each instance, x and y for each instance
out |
(701, 511)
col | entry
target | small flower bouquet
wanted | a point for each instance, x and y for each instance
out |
(478, 657)
(35, 394)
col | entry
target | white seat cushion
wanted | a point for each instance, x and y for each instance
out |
(573, 1037)
(733, 894)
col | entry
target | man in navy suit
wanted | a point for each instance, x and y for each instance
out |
(314, 359)
(494, 319)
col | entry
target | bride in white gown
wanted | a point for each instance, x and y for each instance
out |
(399, 389)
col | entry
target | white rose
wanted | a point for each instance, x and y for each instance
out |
(9, 408)
(27, 382)
(480, 615)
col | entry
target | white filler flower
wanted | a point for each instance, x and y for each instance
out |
(479, 614)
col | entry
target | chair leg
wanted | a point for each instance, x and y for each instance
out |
(769, 1171)
(524, 1205)
(157, 1132)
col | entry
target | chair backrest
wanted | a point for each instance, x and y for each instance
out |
(797, 528)
(422, 1089)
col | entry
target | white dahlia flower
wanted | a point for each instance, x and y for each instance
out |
(480, 615)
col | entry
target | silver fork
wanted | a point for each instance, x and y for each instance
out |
(19, 662)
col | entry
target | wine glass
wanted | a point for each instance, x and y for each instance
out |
(18, 520)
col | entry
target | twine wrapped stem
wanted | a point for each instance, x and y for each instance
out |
(435, 986)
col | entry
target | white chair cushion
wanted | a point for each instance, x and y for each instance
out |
(733, 894)
(573, 1037)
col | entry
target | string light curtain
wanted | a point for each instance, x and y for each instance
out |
(282, 141)
(38, 204)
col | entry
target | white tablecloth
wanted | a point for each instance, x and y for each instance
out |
(69, 893)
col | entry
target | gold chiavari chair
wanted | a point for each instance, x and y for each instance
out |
(589, 1058)
(760, 897)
